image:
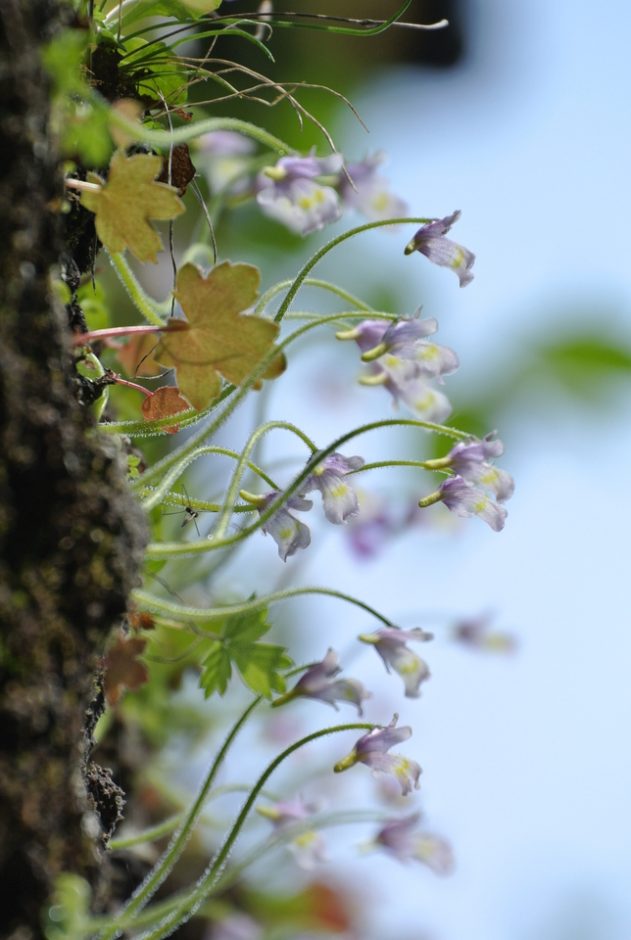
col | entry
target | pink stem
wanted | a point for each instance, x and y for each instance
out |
(139, 388)
(81, 339)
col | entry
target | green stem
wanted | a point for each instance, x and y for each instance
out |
(158, 494)
(137, 132)
(187, 614)
(243, 461)
(141, 301)
(167, 549)
(172, 853)
(310, 282)
(187, 909)
(311, 263)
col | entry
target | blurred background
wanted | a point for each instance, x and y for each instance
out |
(517, 114)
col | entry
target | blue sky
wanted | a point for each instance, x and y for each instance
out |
(527, 765)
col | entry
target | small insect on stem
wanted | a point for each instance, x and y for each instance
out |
(190, 514)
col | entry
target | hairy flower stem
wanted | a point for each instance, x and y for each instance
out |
(186, 614)
(143, 303)
(172, 853)
(233, 489)
(187, 909)
(171, 549)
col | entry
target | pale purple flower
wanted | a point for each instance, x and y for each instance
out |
(466, 499)
(470, 460)
(419, 396)
(225, 158)
(370, 529)
(288, 532)
(371, 750)
(369, 192)
(430, 241)
(338, 496)
(399, 337)
(400, 359)
(292, 192)
(402, 839)
(319, 682)
(390, 644)
(308, 847)
(476, 633)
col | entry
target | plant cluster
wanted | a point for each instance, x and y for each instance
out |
(130, 79)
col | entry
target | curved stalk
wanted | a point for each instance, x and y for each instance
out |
(183, 613)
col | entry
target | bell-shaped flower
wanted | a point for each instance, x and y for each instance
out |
(308, 847)
(338, 496)
(430, 241)
(419, 396)
(295, 192)
(470, 460)
(288, 532)
(465, 499)
(401, 338)
(400, 359)
(371, 750)
(319, 682)
(390, 644)
(369, 192)
(402, 838)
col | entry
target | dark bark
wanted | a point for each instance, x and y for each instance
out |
(71, 538)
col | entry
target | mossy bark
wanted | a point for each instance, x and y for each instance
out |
(71, 538)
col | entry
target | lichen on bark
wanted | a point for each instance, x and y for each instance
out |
(71, 537)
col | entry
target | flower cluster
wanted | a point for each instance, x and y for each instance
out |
(401, 359)
(303, 193)
(339, 501)
(476, 487)
(306, 193)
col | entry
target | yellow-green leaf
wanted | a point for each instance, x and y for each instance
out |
(221, 340)
(128, 200)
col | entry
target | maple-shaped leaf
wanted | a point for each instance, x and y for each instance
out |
(221, 340)
(128, 200)
(163, 403)
(122, 667)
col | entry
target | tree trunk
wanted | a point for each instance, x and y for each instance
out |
(71, 538)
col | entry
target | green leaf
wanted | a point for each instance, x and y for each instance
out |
(259, 666)
(183, 10)
(93, 301)
(216, 669)
(64, 58)
(84, 129)
(247, 627)
(156, 71)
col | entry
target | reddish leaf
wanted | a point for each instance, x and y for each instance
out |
(163, 403)
(122, 668)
